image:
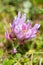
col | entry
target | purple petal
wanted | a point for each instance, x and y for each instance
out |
(34, 30)
(29, 24)
(19, 14)
(36, 26)
(28, 34)
(20, 35)
(7, 35)
(23, 18)
(15, 21)
(18, 28)
(24, 27)
(32, 36)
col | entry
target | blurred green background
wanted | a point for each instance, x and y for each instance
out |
(34, 12)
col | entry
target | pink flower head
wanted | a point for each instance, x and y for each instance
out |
(22, 29)
(13, 51)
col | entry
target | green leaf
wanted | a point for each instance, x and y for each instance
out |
(8, 62)
(1, 52)
(18, 55)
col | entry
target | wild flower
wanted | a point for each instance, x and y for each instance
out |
(13, 51)
(22, 28)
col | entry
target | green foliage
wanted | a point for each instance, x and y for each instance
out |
(2, 28)
(34, 11)
(8, 62)
(1, 53)
(37, 1)
(18, 56)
